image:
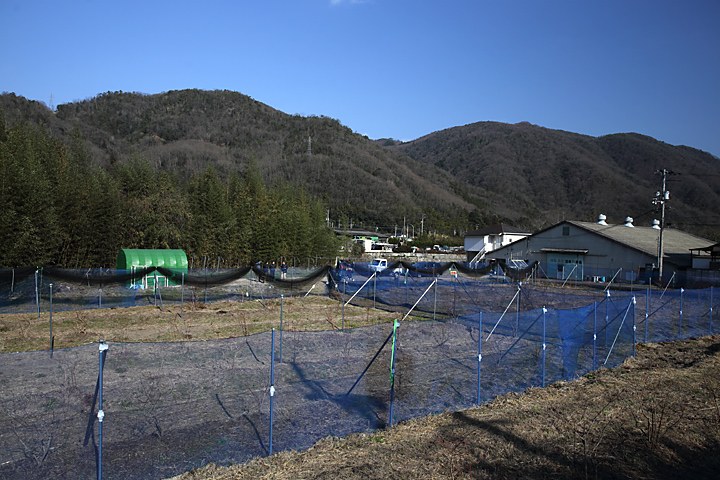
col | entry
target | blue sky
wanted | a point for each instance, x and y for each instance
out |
(390, 68)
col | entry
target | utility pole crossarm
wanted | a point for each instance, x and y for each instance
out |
(660, 199)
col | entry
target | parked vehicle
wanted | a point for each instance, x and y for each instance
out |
(381, 264)
(378, 264)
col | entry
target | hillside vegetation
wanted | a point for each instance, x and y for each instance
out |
(220, 174)
(185, 131)
(536, 176)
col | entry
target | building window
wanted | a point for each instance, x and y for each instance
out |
(566, 230)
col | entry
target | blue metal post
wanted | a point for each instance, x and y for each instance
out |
(594, 334)
(435, 301)
(479, 354)
(647, 311)
(454, 304)
(272, 387)
(282, 306)
(52, 342)
(101, 414)
(681, 309)
(634, 326)
(517, 314)
(343, 302)
(37, 295)
(543, 346)
(607, 315)
(182, 293)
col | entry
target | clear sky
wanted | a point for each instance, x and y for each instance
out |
(390, 68)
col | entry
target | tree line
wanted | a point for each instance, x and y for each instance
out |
(61, 209)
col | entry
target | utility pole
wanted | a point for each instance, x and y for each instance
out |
(660, 198)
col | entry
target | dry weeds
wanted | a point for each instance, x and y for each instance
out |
(199, 321)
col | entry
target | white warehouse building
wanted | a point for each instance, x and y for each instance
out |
(479, 243)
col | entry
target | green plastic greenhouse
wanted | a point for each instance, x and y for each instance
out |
(137, 259)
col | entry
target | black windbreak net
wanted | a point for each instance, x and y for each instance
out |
(26, 288)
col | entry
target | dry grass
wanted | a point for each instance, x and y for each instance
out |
(199, 321)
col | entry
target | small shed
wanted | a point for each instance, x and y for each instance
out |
(138, 259)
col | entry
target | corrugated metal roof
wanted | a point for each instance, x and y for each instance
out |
(496, 230)
(645, 239)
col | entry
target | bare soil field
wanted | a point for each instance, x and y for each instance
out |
(656, 417)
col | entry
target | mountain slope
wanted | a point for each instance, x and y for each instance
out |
(184, 131)
(537, 176)
(460, 178)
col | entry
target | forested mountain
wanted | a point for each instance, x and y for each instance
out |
(220, 174)
(535, 176)
(184, 131)
(62, 207)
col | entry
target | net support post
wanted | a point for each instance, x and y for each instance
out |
(272, 388)
(52, 339)
(435, 301)
(594, 364)
(607, 315)
(392, 371)
(103, 347)
(681, 314)
(343, 302)
(647, 312)
(634, 326)
(517, 312)
(37, 295)
(543, 348)
(282, 307)
(479, 355)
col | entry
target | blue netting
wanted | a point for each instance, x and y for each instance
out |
(171, 407)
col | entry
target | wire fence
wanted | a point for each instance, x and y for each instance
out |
(155, 410)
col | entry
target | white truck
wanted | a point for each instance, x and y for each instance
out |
(381, 264)
(378, 264)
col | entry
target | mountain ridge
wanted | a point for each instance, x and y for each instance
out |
(453, 180)
(573, 176)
